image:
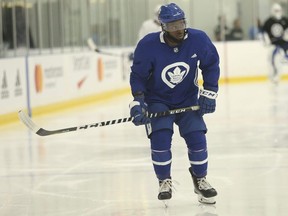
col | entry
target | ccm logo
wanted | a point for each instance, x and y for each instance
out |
(208, 94)
(177, 111)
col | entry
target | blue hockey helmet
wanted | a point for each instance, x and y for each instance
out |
(170, 13)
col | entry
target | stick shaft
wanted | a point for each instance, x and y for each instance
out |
(94, 47)
(43, 132)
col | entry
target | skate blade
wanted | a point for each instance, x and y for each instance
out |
(205, 200)
(165, 202)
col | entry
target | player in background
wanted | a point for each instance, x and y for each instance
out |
(150, 25)
(164, 76)
(275, 33)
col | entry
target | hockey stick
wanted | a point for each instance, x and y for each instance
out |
(43, 132)
(94, 48)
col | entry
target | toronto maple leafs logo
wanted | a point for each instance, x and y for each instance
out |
(175, 73)
(176, 76)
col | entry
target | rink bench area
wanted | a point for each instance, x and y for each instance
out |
(53, 82)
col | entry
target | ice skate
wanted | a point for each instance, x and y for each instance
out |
(203, 189)
(165, 191)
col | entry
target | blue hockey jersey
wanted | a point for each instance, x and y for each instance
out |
(169, 75)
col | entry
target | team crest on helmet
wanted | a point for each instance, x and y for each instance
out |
(175, 73)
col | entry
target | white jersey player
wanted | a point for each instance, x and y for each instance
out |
(150, 25)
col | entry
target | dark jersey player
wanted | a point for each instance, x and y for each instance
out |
(163, 77)
(275, 30)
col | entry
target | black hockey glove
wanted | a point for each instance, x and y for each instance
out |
(207, 101)
(138, 110)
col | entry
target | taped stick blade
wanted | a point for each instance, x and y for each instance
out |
(91, 44)
(27, 121)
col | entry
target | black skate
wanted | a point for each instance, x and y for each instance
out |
(205, 191)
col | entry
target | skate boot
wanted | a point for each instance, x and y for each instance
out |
(205, 191)
(165, 189)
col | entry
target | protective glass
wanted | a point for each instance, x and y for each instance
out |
(175, 26)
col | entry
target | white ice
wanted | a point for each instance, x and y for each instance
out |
(107, 171)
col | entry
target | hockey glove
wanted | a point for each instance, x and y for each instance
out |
(138, 110)
(207, 101)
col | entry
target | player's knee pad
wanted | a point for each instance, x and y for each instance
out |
(197, 152)
(195, 140)
(161, 147)
(161, 140)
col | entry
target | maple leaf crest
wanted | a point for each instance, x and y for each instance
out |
(176, 76)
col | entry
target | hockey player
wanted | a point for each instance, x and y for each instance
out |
(164, 76)
(275, 32)
(150, 25)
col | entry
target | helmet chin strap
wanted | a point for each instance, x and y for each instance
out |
(174, 40)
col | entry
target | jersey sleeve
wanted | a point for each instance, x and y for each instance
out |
(140, 69)
(266, 27)
(209, 64)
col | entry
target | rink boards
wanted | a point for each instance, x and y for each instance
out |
(46, 83)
